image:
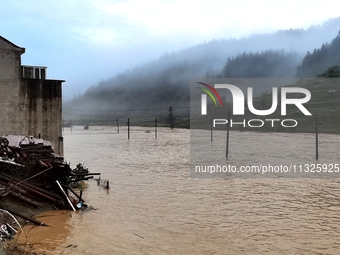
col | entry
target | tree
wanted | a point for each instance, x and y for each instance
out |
(171, 120)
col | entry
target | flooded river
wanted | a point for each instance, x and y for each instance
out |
(155, 207)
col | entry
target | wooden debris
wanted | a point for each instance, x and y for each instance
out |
(36, 222)
(32, 174)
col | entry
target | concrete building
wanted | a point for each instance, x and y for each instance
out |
(30, 104)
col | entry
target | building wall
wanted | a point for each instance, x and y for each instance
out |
(10, 80)
(41, 102)
(28, 106)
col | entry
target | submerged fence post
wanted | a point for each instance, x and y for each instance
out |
(128, 123)
(117, 126)
(155, 127)
(80, 195)
(211, 131)
(227, 144)
(317, 137)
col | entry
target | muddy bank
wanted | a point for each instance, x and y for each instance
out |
(42, 239)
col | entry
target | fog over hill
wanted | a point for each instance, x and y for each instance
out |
(148, 90)
(320, 59)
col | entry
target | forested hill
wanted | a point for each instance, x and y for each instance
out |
(149, 90)
(320, 59)
(267, 64)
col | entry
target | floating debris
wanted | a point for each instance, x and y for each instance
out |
(105, 183)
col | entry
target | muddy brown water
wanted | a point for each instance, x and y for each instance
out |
(155, 207)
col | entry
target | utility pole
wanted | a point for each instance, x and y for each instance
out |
(317, 137)
(227, 144)
(211, 131)
(128, 123)
(156, 127)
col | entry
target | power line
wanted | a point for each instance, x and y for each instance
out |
(127, 110)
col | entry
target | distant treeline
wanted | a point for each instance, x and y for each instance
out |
(321, 59)
(270, 63)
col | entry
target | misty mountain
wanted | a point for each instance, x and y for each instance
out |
(321, 59)
(267, 64)
(148, 90)
(135, 93)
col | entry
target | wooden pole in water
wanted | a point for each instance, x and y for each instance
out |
(80, 196)
(211, 131)
(128, 122)
(117, 126)
(227, 144)
(74, 193)
(316, 138)
(155, 127)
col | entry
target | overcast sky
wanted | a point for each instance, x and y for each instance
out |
(86, 41)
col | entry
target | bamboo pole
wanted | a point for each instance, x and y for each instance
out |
(63, 191)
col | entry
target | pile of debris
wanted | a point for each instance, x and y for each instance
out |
(34, 179)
